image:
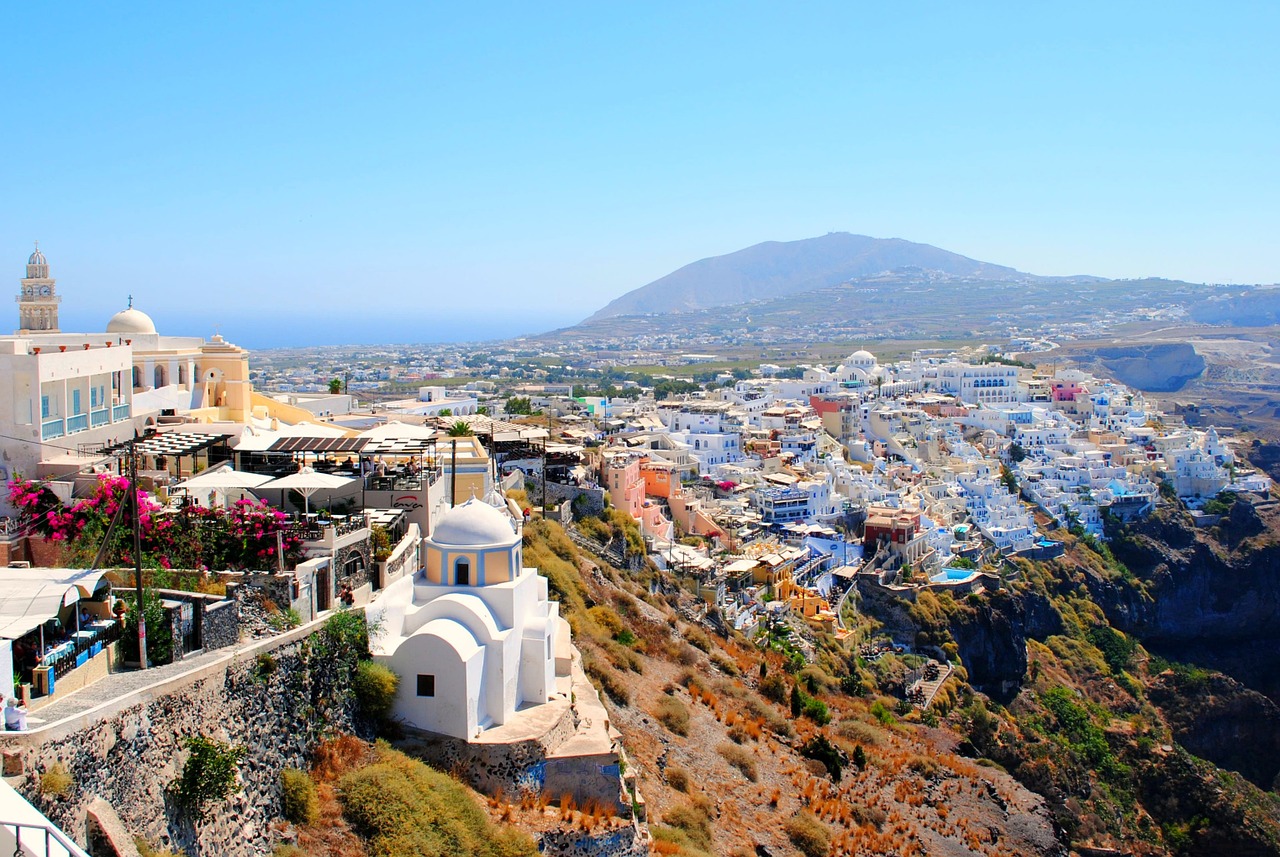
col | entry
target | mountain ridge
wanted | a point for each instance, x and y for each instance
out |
(773, 269)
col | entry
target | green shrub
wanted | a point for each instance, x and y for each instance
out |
(1117, 649)
(673, 714)
(822, 750)
(301, 803)
(345, 632)
(774, 687)
(286, 620)
(816, 710)
(56, 781)
(264, 666)
(208, 776)
(725, 665)
(607, 619)
(375, 686)
(808, 834)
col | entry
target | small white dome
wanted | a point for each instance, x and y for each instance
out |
(474, 524)
(37, 258)
(860, 357)
(131, 321)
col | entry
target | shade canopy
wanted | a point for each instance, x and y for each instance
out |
(225, 479)
(29, 597)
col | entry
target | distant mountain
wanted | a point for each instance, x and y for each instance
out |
(777, 269)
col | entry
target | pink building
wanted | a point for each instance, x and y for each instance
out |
(1066, 391)
(625, 483)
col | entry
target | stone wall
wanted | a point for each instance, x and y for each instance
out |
(526, 766)
(585, 501)
(216, 617)
(277, 699)
(220, 625)
(627, 841)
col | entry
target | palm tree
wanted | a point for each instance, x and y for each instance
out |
(460, 428)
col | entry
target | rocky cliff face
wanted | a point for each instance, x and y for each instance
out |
(1212, 596)
(993, 644)
(1219, 719)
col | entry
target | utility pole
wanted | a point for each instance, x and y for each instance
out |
(137, 550)
(544, 461)
(453, 473)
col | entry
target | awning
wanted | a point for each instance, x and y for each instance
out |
(318, 444)
(399, 446)
(174, 443)
(29, 597)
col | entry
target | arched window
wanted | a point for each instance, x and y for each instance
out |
(161, 379)
(182, 374)
(462, 573)
(137, 377)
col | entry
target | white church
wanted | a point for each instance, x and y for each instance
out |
(473, 635)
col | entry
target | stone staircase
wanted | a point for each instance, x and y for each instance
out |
(927, 689)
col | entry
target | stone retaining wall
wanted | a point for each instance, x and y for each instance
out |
(628, 841)
(492, 768)
(277, 699)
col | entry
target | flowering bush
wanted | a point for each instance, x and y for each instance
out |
(248, 535)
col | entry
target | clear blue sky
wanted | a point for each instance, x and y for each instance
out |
(499, 167)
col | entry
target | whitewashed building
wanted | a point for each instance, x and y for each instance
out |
(472, 635)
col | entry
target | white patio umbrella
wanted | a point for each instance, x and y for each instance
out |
(307, 482)
(398, 431)
(225, 479)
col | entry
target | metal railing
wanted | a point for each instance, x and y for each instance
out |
(79, 422)
(28, 837)
(119, 412)
(100, 417)
(50, 429)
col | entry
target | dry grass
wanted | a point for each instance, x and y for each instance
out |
(740, 759)
(56, 782)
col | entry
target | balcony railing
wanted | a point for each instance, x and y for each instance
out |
(120, 412)
(43, 839)
(316, 530)
(100, 417)
(50, 429)
(79, 422)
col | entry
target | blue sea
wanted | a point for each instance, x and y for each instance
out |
(351, 324)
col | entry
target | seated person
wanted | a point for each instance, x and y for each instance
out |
(85, 618)
(15, 716)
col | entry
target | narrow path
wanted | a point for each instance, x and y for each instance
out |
(120, 684)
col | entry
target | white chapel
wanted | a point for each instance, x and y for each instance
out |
(473, 635)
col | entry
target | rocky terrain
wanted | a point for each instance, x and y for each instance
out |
(1058, 730)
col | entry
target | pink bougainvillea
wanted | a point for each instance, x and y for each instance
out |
(247, 535)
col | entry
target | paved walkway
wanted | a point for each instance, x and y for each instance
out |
(116, 685)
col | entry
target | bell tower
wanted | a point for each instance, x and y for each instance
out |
(38, 299)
